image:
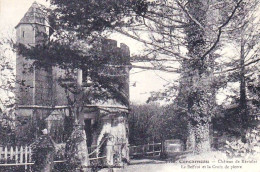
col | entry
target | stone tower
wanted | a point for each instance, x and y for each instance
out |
(34, 84)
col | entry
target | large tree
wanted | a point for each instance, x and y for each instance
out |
(243, 34)
(187, 33)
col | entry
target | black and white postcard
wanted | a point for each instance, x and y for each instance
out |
(129, 85)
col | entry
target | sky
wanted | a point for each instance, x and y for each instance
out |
(142, 82)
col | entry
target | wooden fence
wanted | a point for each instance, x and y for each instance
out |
(10, 156)
(22, 156)
(153, 149)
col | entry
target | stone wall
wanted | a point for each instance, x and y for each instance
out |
(120, 62)
(34, 85)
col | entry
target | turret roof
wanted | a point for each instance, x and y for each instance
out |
(36, 14)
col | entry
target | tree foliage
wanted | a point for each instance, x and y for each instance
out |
(89, 17)
(152, 122)
(7, 74)
(242, 33)
(7, 99)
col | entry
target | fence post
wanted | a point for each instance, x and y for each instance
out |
(6, 154)
(25, 160)
(16, 154)
(143, 150)
(30, 154)
(162, 148)
(153, 149)
(11, 153)
(148, 150)
(30, 157)
(21, 154)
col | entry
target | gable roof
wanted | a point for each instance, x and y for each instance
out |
(36, 14)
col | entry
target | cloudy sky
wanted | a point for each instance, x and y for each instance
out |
(142, 82)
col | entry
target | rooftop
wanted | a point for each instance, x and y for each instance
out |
(36, 14)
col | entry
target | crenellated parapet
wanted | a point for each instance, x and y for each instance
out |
(118, 65)
(110, 48)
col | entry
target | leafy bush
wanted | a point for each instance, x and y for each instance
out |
(239, 149)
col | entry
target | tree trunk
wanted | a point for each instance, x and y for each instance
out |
(243, 101)
(83, 152)
(202, 138)
(76, 150)
(191, 138)
(198, 138)
(49, 162)
(43, 149)
(196, 70)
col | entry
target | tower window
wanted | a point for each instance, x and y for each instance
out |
(23, 34)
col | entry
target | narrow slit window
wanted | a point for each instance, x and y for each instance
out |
(23, 34)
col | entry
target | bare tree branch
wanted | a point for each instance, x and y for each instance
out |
(156, 68)
(150, 43)
(233, 69)
(220, 30)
